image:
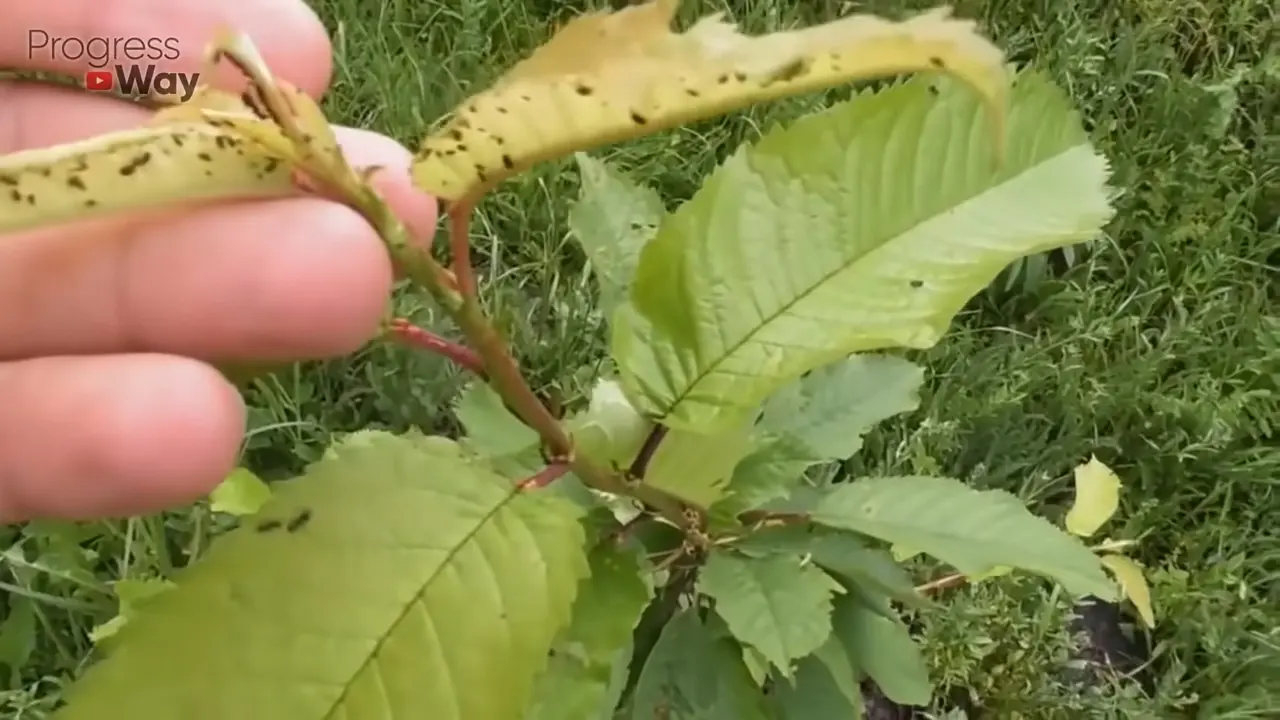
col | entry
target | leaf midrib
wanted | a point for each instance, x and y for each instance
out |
(943, 537)
(800, 297)
(404, 612)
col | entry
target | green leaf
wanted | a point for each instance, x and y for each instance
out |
(397, 578)
(240, 493)
(974, 531)
(609, 603)
(370, 438)
(802, 499)
(696, 468)
(613, 218)
(768, 473)
(1097, 498)
(621, 673)
(609, 425)
(873, 571)
(691, 674)
(133, 595)
(864, 227)
(789, 539)
(828, 411)
(570, 688)
(825, 688)
(492, 431)
(611, 430)
(756, 663)
(576, 683)
(883, 649)
(843, 555)
(777, 604)
(819, 418)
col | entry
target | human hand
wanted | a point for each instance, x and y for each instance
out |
(102, 411)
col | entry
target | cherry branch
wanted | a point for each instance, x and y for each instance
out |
(507, 379)
(640, 465)
(545, 476)
(459, 218)
(423, 339)
(454, 291)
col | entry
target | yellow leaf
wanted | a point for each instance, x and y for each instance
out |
(204, 98)
(135, 169)
(1097, 497)
(1134, 586)
(210, 147)
(608, 77)
(230, 113)
(278, 99)
(263, 111)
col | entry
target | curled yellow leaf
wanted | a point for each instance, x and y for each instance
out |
(608, 77)
(135, 169)
(1097, 498)
(205, 98)
(1128, 574)
(275, 105)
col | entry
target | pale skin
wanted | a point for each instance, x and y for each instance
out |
(108, 406)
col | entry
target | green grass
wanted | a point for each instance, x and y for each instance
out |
(1159, 350)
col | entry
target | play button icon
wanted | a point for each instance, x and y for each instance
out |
(99, 80)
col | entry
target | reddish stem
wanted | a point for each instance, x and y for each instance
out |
(545, 476)
(460, 246)
(415, 336)
(508, 380)
(641, 464)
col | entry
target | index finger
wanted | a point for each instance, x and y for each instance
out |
(76, 36)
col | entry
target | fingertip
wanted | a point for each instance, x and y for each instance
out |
(339, 278)
(113, 436)
(308, 61)
(416, 209)
(365, 147)
(186, 405)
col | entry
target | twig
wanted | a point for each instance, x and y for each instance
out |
(545, 476)
(505, 375)
(459, 216)
(455, 292)
(641, 464)
(414, 336)
(411, 260)
(946, 582)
